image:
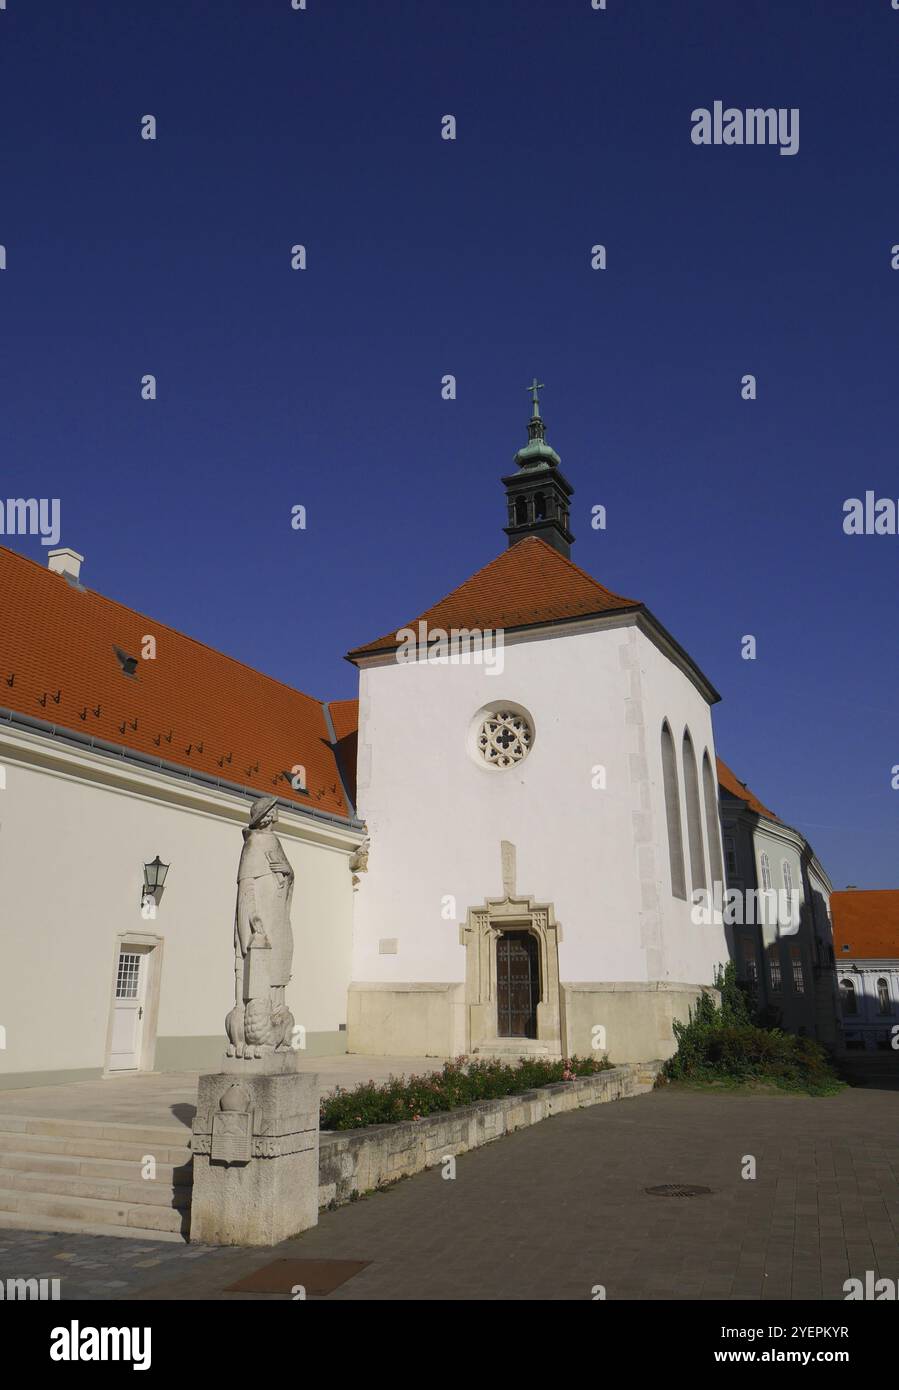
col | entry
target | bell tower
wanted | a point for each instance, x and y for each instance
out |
(538, 494)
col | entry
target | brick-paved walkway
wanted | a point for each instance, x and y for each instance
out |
(554, 1210)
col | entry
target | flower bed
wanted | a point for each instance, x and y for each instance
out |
(461, 1082)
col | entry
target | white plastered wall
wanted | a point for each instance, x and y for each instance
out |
(75, 831)
(436, 817)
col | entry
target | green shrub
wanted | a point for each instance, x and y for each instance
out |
(461, 1082)
(725, 1043)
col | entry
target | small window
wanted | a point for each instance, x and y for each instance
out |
(848, 998)
(730, 856)
(749, 966)
(883, 997)
(127, 975)
(774, 971)
(798, 977)
(765, 867)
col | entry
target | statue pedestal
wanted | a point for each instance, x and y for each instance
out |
(255, 1146)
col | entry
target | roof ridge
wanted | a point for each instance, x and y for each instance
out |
(135, 612)
(504, 555)
(585, 573)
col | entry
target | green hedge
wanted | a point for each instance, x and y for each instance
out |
(724, 1044)
(461, 1082)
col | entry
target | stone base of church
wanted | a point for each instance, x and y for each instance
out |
(407, 1020)
(433, 1020)
(636, 1017)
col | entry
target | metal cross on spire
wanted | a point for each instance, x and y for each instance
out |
(534, 387)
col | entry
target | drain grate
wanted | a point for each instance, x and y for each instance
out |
(317, 1277)
(677, 1189)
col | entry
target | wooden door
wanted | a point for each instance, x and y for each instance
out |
(518, 985)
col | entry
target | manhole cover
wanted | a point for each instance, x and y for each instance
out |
(317, 1277)
(677, 1189)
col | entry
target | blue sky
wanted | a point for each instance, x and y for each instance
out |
(426, 257)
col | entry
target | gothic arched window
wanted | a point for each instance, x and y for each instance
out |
(713, 829)
(672, 814)
(788, 890)
(694, 815)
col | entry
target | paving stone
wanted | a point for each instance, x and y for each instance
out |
(501, 1230)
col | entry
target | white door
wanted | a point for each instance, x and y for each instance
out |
(128, 1009)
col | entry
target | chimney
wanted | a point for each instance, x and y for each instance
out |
(66, 562)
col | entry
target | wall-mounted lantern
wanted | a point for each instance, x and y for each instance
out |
(154, 880)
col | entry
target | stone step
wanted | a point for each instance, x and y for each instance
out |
(149, 1192)
(131, 1216)
(165, 1136)
(114, 1146)
(76, 1165)
(511, 1049)
(28, 1221)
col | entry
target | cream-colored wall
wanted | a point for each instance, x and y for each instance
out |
(75, 831)
(637, 1019)
(419, 1020)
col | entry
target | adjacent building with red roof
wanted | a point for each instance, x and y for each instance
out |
(124, 746)
(866, 945)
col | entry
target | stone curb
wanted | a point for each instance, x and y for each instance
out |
(353, 1161)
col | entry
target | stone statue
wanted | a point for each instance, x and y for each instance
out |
(260, 1021)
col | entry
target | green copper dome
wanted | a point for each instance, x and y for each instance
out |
(537, 451)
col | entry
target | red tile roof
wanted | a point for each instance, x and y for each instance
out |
(867, 921)
(732, 784)
(192, 705)
(528, 584)
(345, 717)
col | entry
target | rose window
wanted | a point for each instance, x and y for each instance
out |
(504, 738)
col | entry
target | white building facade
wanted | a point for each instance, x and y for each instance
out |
(104, 771)
(534, 898)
